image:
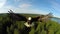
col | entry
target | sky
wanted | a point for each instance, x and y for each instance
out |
(31, 6)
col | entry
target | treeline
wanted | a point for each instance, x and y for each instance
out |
(7, 26)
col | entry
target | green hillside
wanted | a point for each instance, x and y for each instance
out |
(18, 27)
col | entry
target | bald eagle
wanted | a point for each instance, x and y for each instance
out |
(28, 21)
(18, 17)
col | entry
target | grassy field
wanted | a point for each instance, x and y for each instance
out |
(18, 27)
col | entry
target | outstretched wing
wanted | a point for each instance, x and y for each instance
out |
(15, 16)
(42, 18)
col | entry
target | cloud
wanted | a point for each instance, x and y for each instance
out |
(25, 5)
(22, 8)
(17, 0)
(5, 9)
(21, 0)
(2, 2)
(24, 1)
(30, 11)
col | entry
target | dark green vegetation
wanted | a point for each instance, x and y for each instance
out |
(9, 27)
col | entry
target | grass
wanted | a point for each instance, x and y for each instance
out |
(50, 27)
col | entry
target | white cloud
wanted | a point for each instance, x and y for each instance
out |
(31, 11)
(17, 0)
(5, 9)
(21, 0)
(19, 10)
(25, 5)
(23, 8)
(2, 2)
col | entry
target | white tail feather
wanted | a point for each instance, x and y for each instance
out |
(28, 25)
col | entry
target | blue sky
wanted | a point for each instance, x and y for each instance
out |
(31, 6)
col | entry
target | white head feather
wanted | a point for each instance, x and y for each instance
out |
(29, 18)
